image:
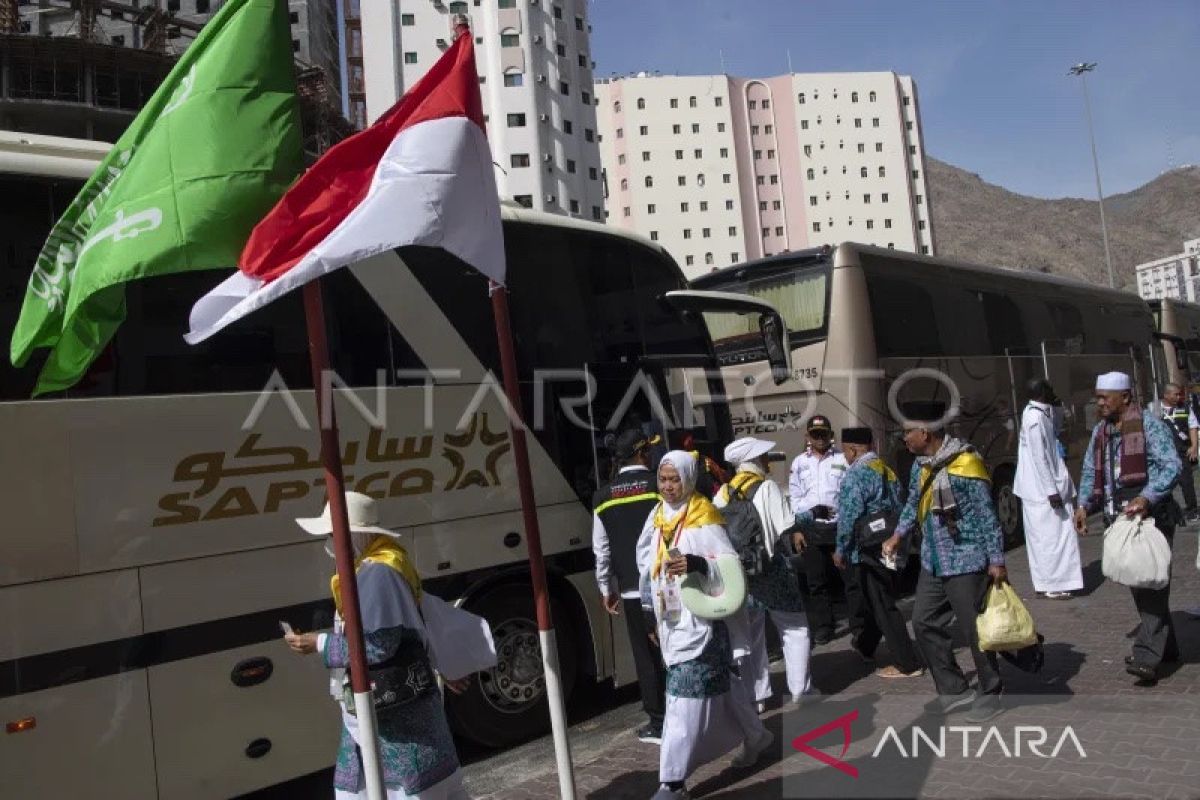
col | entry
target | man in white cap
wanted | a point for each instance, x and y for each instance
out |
(775, 591)
(415, 745)
(1130, 467)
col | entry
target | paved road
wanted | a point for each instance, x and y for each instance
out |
(1126, 741)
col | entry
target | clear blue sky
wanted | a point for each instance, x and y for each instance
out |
(991, 76)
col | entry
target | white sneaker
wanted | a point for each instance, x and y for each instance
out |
(753, 751)
(667, 793)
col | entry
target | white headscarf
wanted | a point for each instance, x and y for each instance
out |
(685, 464)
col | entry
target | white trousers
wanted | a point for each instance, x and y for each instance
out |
(449, 789)
(1052, 546)
(699, 730)
(797, 650)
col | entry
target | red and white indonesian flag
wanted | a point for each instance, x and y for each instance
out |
(421, 175)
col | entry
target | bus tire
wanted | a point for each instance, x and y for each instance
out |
(1008, 508)
(507, 704)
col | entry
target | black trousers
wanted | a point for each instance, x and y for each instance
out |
(1155, 639)
(819, 573)
(1187, 482)
(941, 603)
(881, 619)
(647, 660)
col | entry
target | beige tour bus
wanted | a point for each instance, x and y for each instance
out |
(1178, 325)
(149, 549)
(872, 328)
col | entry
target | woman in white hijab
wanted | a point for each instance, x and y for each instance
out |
(708, 714)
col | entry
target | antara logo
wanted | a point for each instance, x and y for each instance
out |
(843, 723)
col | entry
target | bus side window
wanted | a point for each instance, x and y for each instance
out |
(903, 315)
(1005, 328)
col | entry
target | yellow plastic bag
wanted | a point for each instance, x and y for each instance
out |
(1005, 624)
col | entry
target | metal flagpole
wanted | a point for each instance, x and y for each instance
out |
(335, 487)
(537, 566)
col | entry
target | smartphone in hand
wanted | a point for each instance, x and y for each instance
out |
(286, 628)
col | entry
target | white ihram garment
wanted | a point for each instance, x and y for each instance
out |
(1050, 539)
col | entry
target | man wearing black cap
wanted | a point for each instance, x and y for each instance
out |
(621, 509)
(962, 552)
(813, 485)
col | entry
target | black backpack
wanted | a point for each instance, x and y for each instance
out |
(745, 529)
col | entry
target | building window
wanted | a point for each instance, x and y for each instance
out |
(706, 233)
(202, 8)
(724, 152)
(645, 155)
(762, 205)
(654, 236)
(408, 20)
(510, 40)
(708, 258)
(643, 130)
(871, 97)
(118, 41)
(760, 180)
(683, 208)
(506, 3)
(879, 147)
(621, 158)
(482, 78)
(870, 224)
(695, 127)
(617, 106)
(578, 23)
(778, 230)
(560, 50)
(516, 120)
(882, 172)
(704, 205)
(774, 180)
(866, 198)
(564, 88)
(729, 205)
(733, 230)
(875, 122)
(720, 127)
(620, 133)
(525, 200)
(692, 101)
(514, 79)
(808, 149)
(887, 223)
(924, 249)
(726, 178)
(916, 174)
(816, 227)
(810, 174)
(649, 182)
(679, 155)
(641, 103)
(766, 232)
(754, 130)
(586, 98)
(521, 160)
(687, 233)
(698, 153)
(905, 101)
(624, 184)
(757, 155)
(753, 104)
(558, 12)
(718, 101)
(583, 61)
(570, 167)
(776, 205)
(803, 124)
(912, 149)
(920, 224)
(682, 180)
(676, 129)
(800, 98)
(920, 200)
(651, 208)
(588, 134)
(674, 102)
(857, 122)
(567, 126)
(689, 260)
(770, 154)
(862, 148)
(908, 126)
(410, 58)
(766, 104)
(574, 206)
(862, 173)
(625, 211)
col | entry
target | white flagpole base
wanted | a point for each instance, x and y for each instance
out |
(558, 715)
(368, 745)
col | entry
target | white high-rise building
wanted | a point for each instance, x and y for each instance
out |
(1173, 276)
(722, 169)
(535, 74)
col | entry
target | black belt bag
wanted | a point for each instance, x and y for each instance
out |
(872, 530)
(822, 533)
(402, 679)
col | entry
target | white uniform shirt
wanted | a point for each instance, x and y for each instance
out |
(1041, 470)
(769, 502)
(815, 480)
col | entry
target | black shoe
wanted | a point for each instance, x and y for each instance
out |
(650, 733)
(1144, 673)
(986, 707)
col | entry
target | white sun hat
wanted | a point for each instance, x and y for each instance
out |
(363, 514)
(746, 449)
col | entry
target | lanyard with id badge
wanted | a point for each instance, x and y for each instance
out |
(668, 602)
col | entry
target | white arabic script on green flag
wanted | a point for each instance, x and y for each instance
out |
(208, 156)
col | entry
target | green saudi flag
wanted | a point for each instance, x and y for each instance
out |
(204, 161)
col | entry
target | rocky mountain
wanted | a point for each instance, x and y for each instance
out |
(983, 223)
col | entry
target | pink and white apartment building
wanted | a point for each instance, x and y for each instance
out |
(721, 169)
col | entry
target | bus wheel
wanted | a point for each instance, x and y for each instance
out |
(507, 704)
(1008, 509)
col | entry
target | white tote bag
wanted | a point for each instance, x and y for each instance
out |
(1136, 554)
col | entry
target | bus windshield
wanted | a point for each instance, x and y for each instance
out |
(800, 294)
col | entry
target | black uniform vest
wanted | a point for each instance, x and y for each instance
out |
(623, 507)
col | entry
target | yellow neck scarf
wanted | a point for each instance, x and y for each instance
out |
(968, 464)
(383, 550)
(886, 471)
(698, 512)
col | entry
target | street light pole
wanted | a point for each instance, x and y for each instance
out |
(1081, 69)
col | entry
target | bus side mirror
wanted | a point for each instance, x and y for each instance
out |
(1181, 359)
(774, 334)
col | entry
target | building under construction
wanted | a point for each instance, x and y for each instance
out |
(84, 68)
